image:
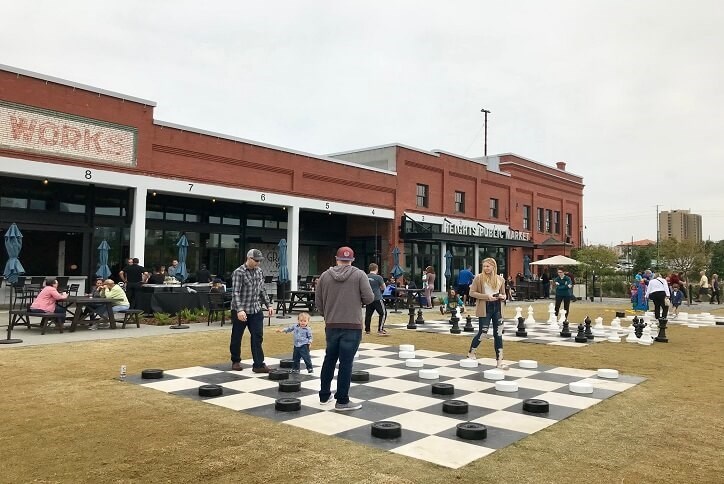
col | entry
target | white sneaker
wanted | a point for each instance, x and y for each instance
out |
(346, 407)
(471, 355)
(93, 327)
(500, 365)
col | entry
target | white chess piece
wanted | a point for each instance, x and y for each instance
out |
(631, 336)
(599, 330)
(518, 313)
(562, 316)
(530, 319)
(616, 323)
(551, 313)
(646, 338)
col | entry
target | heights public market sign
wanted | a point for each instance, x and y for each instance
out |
(472, 229)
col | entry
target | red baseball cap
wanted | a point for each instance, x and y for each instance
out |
(345, 253)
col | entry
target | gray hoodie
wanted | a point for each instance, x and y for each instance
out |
(340, 294)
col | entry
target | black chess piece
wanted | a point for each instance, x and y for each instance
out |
(639, 328)
(661, 338)
(521, 328)
(411, 323)
(455, 326)
(566, 331)
(581, 336)
(635, 321)
(588, 332)
(420, 319)
(468, 324)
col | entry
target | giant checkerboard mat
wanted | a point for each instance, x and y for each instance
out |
(395, 392)
(540, 333)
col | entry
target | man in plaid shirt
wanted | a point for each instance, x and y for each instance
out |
(247, 297)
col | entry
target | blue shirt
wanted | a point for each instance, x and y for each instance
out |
(465, 277)
(302, 336)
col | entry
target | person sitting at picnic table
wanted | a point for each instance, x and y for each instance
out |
(116, 293)
(47, 300)
(157, 277)
(218, 286)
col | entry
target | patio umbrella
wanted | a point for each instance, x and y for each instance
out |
(283, 269)
(396, 269)
(103, 270)
(448, 264)
(13, 244)
(526, 265)
(556, 260)
(183, 249)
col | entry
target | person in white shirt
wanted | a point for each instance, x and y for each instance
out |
(658, 292)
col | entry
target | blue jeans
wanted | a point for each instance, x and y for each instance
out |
(301, 352)
(102, 311)
(255, 323)
(342, 344)
(492, 310)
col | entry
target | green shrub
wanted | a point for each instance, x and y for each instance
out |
(162, 319)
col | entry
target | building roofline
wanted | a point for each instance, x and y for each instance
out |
(538, 163)
(166, 124)
(389, 145)
(76, 85)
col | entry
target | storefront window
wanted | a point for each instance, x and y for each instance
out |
(497, 253)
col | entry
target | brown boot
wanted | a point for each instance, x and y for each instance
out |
(236, 366)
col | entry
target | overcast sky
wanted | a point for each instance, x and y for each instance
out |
(628, 93)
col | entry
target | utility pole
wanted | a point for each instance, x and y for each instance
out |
(485, 130)
(658, 229)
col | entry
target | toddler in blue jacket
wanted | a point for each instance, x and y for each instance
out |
(302, 342)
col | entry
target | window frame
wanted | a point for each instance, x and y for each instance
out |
(422, 199)
(459, 201)
(494, 208)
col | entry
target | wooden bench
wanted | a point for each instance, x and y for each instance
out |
(131, 315)
(59, 319)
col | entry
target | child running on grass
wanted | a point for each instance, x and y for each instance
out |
(302, 342)
(676, 298)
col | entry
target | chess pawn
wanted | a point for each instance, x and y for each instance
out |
(581, 336)
(420, 319)
(562, 316)
(616, 323)
(565, 332)
(554, 325)
(588, 332)
(521, 332)
(631, 336)
(551, 314)
(518, 312)
(599, 329)
(468, 324)
(599, 323)
(530, 319)
(646, 338)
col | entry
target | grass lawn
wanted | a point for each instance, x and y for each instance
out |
(67, 419)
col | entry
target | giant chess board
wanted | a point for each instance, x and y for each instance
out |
(395, 392)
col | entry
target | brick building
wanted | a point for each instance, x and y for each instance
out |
(79, 165)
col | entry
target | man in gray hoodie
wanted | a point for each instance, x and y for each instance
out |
(339, 296)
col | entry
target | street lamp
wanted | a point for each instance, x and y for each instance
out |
(485, 129)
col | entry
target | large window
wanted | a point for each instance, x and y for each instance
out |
(460, 202)
(422, 195)
(494, 208)
(526, 217)
(540, 219)
(569, 223)
(549, 214)
(557, 222)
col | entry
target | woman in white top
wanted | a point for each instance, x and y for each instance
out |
(703, 286)
(658, 291)
(488, 289)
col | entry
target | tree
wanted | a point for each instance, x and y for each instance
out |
(716, 264)
(597, 258)
(643, 256)
(683, 256)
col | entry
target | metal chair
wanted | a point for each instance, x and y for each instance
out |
(217, 306)
(73, 289)
(37, 280)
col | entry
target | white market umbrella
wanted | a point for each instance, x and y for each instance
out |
(556, 260)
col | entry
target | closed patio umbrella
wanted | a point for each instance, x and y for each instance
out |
(13, 244)
(283, 269)
(396, 269)
(183, 250)
(103, 270)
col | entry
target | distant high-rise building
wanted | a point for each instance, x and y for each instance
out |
(680, 225)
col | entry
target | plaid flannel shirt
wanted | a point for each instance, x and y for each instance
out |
(248, 293)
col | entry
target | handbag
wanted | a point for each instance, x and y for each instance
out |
(667, 302)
